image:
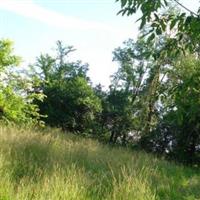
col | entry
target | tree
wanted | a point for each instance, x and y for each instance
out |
(7, 58)
(16, 103)
(177, 134)
(140, 74)
(119, 114)
(184, 24)
(100, 124)
(185, 108)
(70, 101)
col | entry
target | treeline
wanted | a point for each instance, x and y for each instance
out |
(153, 101)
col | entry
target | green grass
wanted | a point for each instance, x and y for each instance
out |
(49, 165)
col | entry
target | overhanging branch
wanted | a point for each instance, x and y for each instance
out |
(192, 12)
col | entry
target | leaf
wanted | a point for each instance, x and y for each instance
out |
(182, 15)
(151, 37)
(156, 16)
(188, 20)
(158, 31)
(123, 3)
(163, 25)
(154, 24)
(142, 23)
(166, 3)
(173, 23)
(180, 37)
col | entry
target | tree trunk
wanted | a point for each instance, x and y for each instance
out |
(124, 140)
(112, 136)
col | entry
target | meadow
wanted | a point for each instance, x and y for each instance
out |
(50, 165)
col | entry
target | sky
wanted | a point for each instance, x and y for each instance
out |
(91, 26)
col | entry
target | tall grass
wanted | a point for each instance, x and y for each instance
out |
(49, 165)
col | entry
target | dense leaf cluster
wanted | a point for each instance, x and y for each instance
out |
(16, 91)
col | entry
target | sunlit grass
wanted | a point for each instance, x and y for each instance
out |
(49, 165)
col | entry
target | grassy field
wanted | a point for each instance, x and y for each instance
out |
(49, 165)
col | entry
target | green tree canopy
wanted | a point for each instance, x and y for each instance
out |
(70, 101)
(16, 98)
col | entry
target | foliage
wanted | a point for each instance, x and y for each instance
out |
(70, 101)
(7, 59)
(184, 107)
(153, 100)
(16, 98)
(164, 93)
(138, 79)
(183, 25)
(178, 133)
(119, 114)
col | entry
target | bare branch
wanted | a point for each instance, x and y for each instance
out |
(192, 12)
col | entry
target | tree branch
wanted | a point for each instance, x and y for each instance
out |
(192, 12)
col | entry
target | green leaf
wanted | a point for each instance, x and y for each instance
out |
(188, 20)
(123, 3)
(142, 23)
(180, 37)
(163, 25)
(151, 37)
(173, 23)
(156, 16)
(158, 31)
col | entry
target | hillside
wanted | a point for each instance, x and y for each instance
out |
(50, 165)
